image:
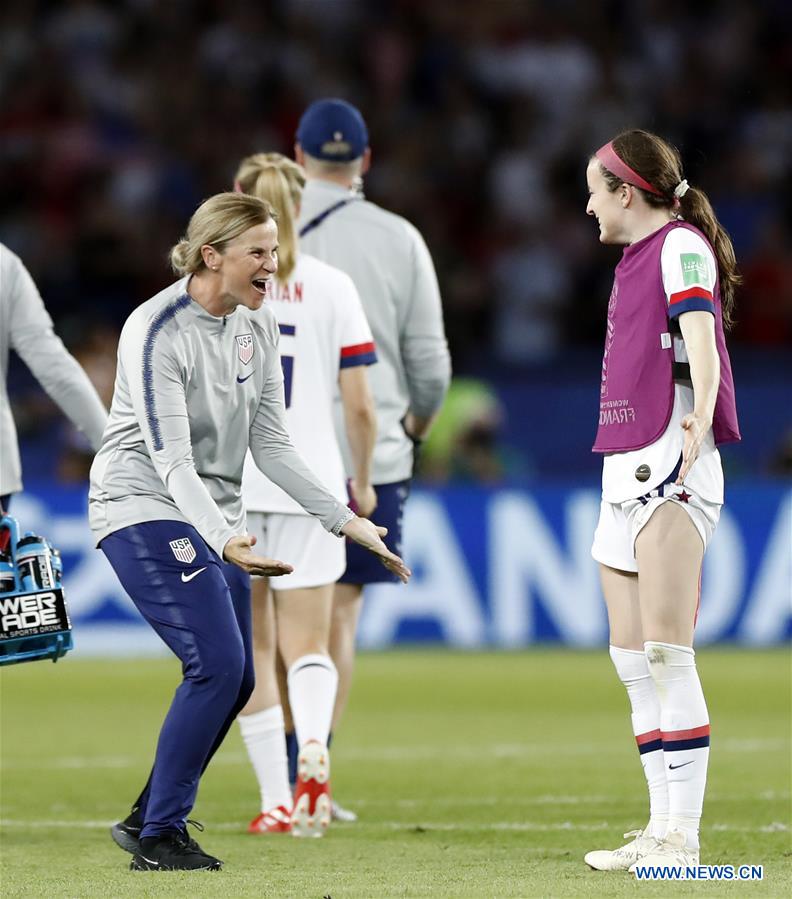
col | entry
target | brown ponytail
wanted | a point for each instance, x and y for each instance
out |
(697, 209)
(661, 165)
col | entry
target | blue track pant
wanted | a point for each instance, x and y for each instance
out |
(201, 610)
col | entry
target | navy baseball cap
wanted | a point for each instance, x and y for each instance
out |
(332, 130)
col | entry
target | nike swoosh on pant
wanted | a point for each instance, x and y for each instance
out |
(188, 577)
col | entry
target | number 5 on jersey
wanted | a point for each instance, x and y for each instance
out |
(287, 363)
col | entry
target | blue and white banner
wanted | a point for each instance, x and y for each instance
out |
(504, 568)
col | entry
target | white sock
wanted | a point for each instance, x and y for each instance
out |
(633, 671)
(265, 740)
(312, 681)
(684, 723)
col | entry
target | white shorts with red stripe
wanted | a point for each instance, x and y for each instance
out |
(620, 523)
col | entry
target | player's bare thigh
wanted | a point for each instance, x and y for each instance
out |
(303, 621)
(620, 589)
(669, 552)
(265, 693)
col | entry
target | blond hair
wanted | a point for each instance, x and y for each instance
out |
(216, 222)
(279, 181)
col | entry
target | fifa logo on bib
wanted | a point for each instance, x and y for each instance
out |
(245, 348)
(183, 549)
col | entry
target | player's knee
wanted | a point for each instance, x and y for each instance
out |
(668, 660)
(345, 616)
(264, 641)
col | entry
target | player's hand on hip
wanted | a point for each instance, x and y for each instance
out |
(364, 497)
(368, 535)
(238, 551)
(696, 429)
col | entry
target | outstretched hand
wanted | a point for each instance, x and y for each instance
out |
(696, 429)
(369, 535)
(238, 551)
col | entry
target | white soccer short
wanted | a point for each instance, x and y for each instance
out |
(317, 556)
(620, 523)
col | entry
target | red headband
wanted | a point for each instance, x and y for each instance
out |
(613, 163)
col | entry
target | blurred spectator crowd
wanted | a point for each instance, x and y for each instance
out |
(118, 117)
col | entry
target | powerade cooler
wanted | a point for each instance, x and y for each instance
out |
(34, 623)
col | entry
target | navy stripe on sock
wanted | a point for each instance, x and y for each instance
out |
(678, 745)
(652, 746)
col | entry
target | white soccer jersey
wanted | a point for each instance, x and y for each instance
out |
(25, 326)
(322, 329)
(688, 267)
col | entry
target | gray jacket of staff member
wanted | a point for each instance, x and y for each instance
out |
(25, 326)
(188, 402)
(390, 264)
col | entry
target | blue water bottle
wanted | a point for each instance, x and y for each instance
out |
(57, 564)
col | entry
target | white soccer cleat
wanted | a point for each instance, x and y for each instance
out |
(312, 812)
(621, 859)
(345, 815)
(669, 851)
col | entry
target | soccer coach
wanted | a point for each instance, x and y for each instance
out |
(389, 262)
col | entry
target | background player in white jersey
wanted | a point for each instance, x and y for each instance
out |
(199, 383)
(26, 327)
(666, 401)
(389, 262)
(325, 347)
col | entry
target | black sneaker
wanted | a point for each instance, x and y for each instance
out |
(126, 833)
(172, 852)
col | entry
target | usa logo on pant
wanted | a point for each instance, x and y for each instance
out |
(183, 550)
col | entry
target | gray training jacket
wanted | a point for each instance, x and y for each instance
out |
(192, 393)
(25, 326)
(390, 264)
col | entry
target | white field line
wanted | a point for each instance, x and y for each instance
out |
(587, 799)
(419, 805)
(405, 754)
(418, 827)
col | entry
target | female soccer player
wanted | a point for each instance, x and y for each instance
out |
(199, 382)
(666, 395)
(326, 345)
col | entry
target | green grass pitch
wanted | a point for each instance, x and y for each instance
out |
(475, 775)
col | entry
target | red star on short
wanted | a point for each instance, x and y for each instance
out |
(682, 497)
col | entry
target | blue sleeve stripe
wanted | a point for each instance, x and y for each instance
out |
(362, 359)
(287, 330)
(694, 304)
(155, 327)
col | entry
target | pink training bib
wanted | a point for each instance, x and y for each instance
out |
(637, 386)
